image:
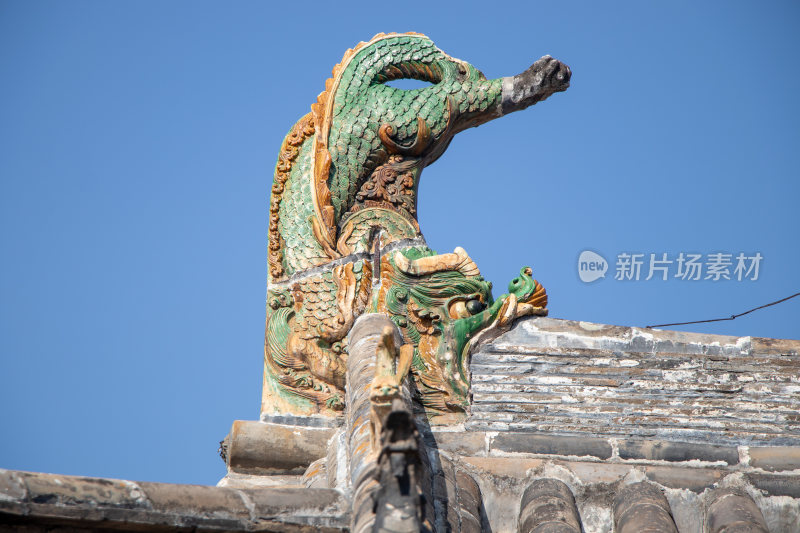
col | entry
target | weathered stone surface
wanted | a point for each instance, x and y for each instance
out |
(54, 489)
(734, 511)
(776, 485)
(784, 347)
(303, 421)
(41, 501)
(51, 502)
(210, 503)
(503, 466)
(232, 480)
(693, 479)
(641, 507)
(548, 506)
(503, 479)
(263, 448)
(558, 376)
(320, 506)
(775, 458)
(462, 443)
(12, 487)
(603, 408)
(599, 408)
(549, 444)
(676, 451)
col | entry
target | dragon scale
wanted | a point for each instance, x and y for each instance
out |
(343, 232)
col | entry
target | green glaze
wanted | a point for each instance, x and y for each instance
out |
(346, 183)
(425, 310)
(364, 102)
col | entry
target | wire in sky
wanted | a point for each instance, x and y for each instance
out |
(726, 318)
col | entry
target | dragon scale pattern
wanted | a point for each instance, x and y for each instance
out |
(346, 184)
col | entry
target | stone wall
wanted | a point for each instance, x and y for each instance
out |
(576, 378)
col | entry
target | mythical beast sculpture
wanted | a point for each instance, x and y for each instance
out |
(343, 232)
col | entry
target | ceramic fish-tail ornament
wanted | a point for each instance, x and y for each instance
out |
(343, 232)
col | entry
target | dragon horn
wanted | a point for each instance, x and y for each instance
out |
(458, 260)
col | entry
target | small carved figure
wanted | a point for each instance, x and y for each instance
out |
(346, 182)
(391, 368)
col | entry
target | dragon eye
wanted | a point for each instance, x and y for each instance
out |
(465, 308)
(475, 306)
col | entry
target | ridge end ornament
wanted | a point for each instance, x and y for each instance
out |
(350, 170)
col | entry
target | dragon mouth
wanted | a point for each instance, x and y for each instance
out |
(545, 77)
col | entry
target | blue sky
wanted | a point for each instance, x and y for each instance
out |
(138, 141)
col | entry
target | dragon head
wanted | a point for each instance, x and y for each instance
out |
(443, 307)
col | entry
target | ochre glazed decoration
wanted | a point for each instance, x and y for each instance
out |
(344, 237)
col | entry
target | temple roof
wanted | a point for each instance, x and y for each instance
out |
(576, 424)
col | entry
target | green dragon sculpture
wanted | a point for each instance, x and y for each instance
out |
(343, 232)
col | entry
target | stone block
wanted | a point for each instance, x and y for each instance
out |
(775, 458)
(503, 466)
(776, 485)
(676, 451)
(518, 442)
(694, 479)
(461, 442)
(196, 502)
(300, 502)
(262, 448)
(783, 347)
(53, 489)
